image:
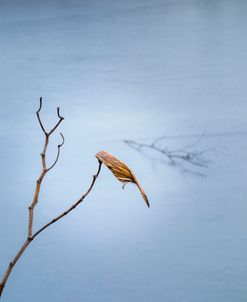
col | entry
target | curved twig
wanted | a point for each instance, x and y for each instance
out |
(44, 168)
(73, 205)
(38, 116)
(58, 123)
(37, 191)
(58, 113)
(30, 239)
(58, 153)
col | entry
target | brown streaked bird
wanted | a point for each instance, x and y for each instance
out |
(120, 171)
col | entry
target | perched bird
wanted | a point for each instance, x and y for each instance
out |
(120, 171)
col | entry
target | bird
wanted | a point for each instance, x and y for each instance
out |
(120, 171)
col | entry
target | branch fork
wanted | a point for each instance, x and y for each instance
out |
(30, 234)
(117, 167)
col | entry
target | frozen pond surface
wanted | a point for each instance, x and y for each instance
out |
(125, 70)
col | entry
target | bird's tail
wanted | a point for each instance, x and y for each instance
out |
(142, 192)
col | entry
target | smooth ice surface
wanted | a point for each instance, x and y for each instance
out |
(132, 69)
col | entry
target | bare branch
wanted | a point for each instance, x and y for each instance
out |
(37, 190)
(40, 104)
(30, 239)
(58, 123)
(73, 205)
(38, 116)
(58, 153)
(44, 168)
(12, 264)
(58, 113)
(63, 140)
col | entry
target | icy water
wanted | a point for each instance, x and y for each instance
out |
(125, 70)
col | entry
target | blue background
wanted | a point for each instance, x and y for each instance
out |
(125, 70)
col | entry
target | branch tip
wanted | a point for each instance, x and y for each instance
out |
(40, 122)
(58, 113)
(63, 140)
(40, 105)
(58, 153)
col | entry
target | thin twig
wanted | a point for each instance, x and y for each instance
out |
(58, 123)
(44, 168)
(38, 116)
(58, 153)
(73, 205)
(37, 191)
(12, 264)
(30, 239)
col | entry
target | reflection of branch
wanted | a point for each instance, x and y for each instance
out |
(204, 134)
(180, 158)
